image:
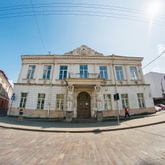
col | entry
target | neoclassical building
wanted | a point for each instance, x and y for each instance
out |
(82, 83)
(5, 93)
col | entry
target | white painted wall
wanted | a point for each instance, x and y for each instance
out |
(155, 79)
(33, 90)
(51, 92)
(39, 86)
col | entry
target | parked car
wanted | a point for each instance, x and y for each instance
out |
(157, 108)
(161, 106)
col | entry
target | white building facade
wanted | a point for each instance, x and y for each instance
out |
(5, 93)
(81, 83)
(157, 83)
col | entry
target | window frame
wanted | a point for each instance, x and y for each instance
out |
(41, 100)
(119, 73)
(23, 99)
(60, 101)
(63, 72)
(141, 100)
(46, 72)
(125, 100)
(103, 72)
(133, 73)
(84, 71)
(107, 102)
(30, 72)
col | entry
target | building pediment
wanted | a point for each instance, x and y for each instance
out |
(83, 50)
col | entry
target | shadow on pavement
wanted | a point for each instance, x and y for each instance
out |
(55, 124)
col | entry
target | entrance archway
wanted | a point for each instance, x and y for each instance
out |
(83, 106)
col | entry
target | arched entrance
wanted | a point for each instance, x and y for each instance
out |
(83, 106)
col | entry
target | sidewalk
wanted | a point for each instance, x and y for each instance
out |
(57, 126)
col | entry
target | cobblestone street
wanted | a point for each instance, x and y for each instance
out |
(138, 146)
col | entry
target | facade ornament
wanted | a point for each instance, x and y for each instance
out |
(97, 88)
(70, 88)
(83, 50)
(70, 98)
(98, 98)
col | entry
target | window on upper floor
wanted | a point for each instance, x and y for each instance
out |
(119, 73)
(141, 100)
(133, 73)
(23, 100)
(60, 102)
(63, 72)
(107, 102)
(124, 100)
(40, 101)
(31, 70)
(83, 71)
(46, 72)
(103, 72)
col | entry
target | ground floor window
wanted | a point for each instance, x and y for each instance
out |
(60, 102)
(124, 100)
(141, 100)
(23, 100)
(107, 102)
(41, 100)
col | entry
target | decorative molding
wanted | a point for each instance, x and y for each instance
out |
(83, 50)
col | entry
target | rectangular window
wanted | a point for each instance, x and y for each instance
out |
(23, 100)
(103, 72)
(83, 71)
(31, 71)
(124, 100)
(46, 72)
(119, 73)
(63, 72)
(41, 100)
(107, 102)
(141, 100)
(60, 102)
(133, 73)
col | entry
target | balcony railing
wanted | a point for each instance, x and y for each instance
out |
(84, 76)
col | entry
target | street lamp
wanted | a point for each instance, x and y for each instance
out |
(116, 95)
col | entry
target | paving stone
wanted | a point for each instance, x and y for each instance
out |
(125, 147)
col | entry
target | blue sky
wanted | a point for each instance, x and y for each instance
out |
(126, 31)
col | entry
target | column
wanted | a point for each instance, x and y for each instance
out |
(99, 106)
(69, 110)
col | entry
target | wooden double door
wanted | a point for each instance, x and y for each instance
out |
(83, 106)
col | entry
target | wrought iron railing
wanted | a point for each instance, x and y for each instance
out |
(84, 76)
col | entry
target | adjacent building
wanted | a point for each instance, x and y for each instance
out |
(157, 85)
(5, 93)
(82, 83)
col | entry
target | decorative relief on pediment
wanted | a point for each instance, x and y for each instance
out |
(83, 50)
